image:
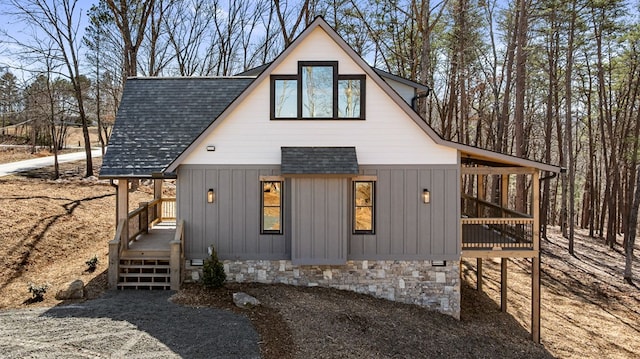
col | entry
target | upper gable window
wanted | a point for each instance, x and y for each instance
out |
(317, 91)
(284, 96)
(351, 97)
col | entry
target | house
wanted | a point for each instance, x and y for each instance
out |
(314, 170)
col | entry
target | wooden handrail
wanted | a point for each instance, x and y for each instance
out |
(136, 212)
(176, 259)
(118, 237)
(495, 206)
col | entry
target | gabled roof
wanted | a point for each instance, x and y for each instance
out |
(159, 117)
(161, 121)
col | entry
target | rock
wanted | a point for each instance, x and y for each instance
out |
(244, 300)
(195, 276)
(71, 290)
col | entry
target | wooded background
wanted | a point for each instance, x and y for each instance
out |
(554, 81)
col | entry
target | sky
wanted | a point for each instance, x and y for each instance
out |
(13, 27)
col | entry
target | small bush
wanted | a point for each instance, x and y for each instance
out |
(92, 264)
(37, 291)
(213, 275)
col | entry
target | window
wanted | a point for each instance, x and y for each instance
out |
(284, 96)
(317, 91)
(363, 207)
(350, 95)
(271, 214)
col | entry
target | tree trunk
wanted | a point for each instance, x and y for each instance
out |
(569, 128)
(521, 77)
(633, 224)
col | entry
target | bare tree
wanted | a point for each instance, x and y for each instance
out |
(289, 30)
(58, 20)
(131, 18)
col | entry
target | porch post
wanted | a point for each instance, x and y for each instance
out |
(123, 208)
(479, 274)
(504, 203)
(481, 195)
(121, 239)
(504, 192)
(535, 264)
(503, 284)
(157, 194)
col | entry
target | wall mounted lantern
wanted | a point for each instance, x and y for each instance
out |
(426, 196)
(211, 196)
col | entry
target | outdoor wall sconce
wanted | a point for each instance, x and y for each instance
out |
(211, 196)
(211, 148)
(426, 196)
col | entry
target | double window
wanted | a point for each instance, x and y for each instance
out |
(271, 214)
(317, 91)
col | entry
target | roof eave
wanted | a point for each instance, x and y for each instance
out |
(504, 158)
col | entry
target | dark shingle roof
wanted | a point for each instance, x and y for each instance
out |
(319, 160)
(158, 118)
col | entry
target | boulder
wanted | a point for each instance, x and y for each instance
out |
(244, 300)
(71, 290)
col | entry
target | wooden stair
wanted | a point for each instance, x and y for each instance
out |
(144, 273)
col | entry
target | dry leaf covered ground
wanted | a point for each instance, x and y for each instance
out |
(50, 228)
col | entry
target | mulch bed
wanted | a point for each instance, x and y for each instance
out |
(301, 322)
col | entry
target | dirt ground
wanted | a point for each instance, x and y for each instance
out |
(50, 228)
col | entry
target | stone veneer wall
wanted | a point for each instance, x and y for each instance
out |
(413, 282)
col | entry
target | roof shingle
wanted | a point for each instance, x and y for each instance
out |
(319, 160)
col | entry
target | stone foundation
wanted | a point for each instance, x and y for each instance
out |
(413, 282)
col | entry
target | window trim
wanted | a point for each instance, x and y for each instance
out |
(336, 78)
(262, 206)
(354, 206)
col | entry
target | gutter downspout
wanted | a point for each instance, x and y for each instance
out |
(419, 96)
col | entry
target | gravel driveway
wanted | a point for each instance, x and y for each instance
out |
(131, 324)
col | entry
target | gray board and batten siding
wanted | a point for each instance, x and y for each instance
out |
(320, 220)
(232, 222)
(405, 227)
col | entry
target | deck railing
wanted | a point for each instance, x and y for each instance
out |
(150, 213)
(486, 225)
(497, 233)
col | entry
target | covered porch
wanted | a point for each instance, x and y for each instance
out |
(148, 245)
(500, 205)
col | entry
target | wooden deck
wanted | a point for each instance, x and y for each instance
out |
(153, 244)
